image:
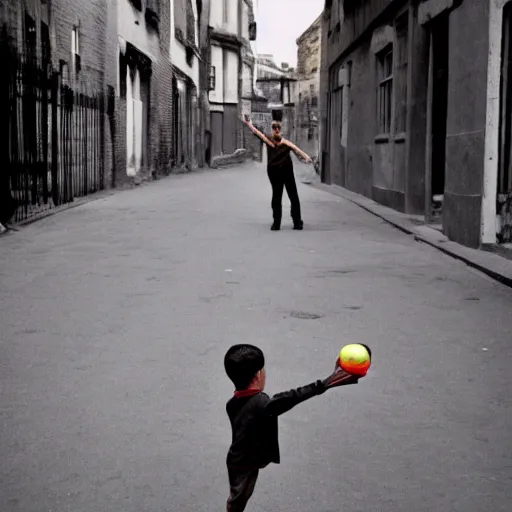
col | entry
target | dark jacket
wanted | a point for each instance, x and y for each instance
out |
(255, 442)
(279, 155)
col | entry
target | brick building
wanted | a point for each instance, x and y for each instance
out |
(308, 89)
(144, 88)
(418, 110)
(59, 61)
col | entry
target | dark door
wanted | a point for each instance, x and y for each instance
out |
(439, 103)
(216, 124)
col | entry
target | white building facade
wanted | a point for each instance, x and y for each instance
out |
(231, 73)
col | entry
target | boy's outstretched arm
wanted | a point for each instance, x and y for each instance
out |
(283, 402)
(256, 132)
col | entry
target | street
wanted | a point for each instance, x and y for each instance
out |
(115, 317)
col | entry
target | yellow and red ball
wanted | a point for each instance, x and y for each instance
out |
(354, 359)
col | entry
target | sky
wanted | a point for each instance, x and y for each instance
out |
(280, 23)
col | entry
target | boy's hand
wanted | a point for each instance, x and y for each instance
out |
(340, 377)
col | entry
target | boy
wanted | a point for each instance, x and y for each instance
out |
(253, 416)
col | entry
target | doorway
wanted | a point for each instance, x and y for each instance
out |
(438, 111)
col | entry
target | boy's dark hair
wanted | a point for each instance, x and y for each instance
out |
(242, 363)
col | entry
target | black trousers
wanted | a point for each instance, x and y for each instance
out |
(283, 177)
(241, 483)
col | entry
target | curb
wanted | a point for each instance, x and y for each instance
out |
(496, 267)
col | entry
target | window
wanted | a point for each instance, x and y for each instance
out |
(75, 42)
(312, 89)
(314, 101)
(401, 74)
(30, 37)
(211, 79)
(45, 44)
(123, 66)
(384, 89)
(75, 49)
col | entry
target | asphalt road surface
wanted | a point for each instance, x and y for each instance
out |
(115, 317)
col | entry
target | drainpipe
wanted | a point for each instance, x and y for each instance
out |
(492, 125)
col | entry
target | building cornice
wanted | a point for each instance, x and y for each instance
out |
(226, 39)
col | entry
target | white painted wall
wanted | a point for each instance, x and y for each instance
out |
(231, 78)
(245, 21)
(138, 35)
(217, 14)
(178, 53)
(224, 15)
(254, 44)
(490, 184)
(217, 95)
(232, 14)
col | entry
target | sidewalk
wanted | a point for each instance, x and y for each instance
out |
(496, 266)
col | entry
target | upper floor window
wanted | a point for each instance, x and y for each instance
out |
(75, 49)
(401, 65)
(384, 89)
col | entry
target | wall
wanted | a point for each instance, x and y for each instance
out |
(356, 155)
(218, 16)
(355, 20)
(466, 121)
(271, 89)
(177, 50)
(307, 89)
(266, 70)
(161, 130)
(247, 81)
(91, 17)
(361, 123)
(94, 18)
(217, 60)
(132, 27)
(230, 77)
(245, 21)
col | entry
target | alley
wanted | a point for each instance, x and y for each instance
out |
(115, 317)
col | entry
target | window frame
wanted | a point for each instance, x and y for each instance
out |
(384, 90)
